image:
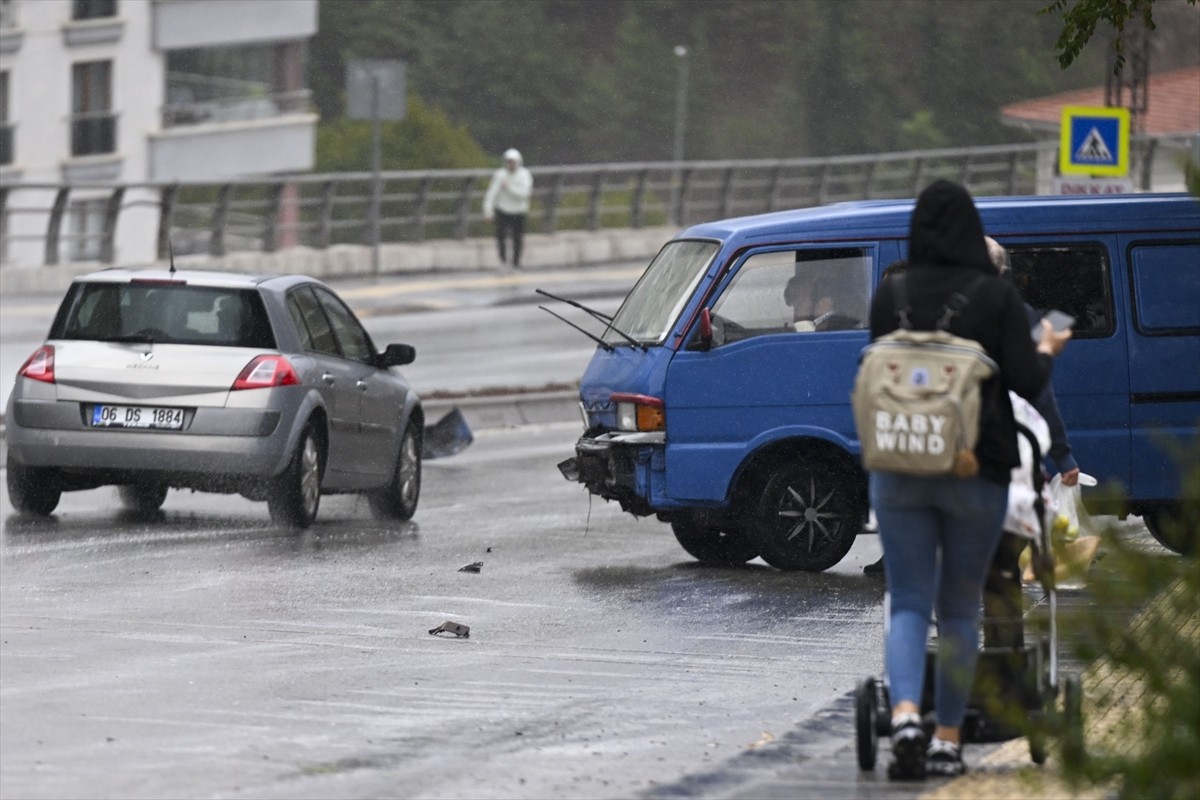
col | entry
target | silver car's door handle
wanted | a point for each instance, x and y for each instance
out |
(328, 378)
(361, 385)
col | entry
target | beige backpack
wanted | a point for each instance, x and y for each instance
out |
(916, 396)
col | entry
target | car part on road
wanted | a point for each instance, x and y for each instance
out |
(446, 437)
(461, 631)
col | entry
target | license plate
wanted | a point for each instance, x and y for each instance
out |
(137, 417)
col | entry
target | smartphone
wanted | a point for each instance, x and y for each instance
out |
(1059, 321)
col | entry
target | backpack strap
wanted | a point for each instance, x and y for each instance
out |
(957, 302)
(900, 301)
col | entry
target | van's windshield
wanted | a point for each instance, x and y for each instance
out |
(661, 293)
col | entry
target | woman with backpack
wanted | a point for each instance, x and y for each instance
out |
(939, 533)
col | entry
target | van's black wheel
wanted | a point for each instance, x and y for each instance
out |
(143, 497)
(809, 513)
(1165, 523)
(296, 495)
(866, 724)
(721, 545)
(398, 500)
(1073, 748)
(32, 490)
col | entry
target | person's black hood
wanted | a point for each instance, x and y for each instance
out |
(946, 229)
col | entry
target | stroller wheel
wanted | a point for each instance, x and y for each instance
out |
(866, 714)
(1073, 750)
(1037, 746)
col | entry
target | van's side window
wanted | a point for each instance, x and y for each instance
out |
(813, 290)
(1071, 278)
(1166, 288)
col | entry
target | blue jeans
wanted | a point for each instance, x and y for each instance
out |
(938, 537)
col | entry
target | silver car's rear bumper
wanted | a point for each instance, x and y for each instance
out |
(250, 442)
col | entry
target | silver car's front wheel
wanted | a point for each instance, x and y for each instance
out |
(297, 493)
(398, 500)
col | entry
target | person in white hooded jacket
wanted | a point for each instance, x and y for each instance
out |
(507, 201)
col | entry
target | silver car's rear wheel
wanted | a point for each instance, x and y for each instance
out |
(399, 499)
(143, 497)
(297, 493)
(32, 490)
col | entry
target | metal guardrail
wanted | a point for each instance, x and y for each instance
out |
(323, 210)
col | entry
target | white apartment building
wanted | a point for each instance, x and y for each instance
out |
(96, 94)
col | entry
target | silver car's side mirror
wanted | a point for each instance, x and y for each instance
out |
(397, 355)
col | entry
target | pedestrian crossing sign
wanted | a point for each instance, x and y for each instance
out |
(1094, 141)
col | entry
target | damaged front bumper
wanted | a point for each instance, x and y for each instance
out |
(619, 466)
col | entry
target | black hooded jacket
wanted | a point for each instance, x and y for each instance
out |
(946, 252)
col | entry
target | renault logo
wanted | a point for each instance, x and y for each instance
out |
(146, 356)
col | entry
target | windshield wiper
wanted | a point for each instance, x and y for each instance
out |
(586, 333)
(133, 338)
(607, 319)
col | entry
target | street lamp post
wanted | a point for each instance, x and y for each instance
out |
(681, 55)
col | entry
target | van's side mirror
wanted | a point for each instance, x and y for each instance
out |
(397, 355)
(706, 330)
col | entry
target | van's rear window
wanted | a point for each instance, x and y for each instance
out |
(164, 313)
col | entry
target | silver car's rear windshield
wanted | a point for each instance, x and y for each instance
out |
(660, 294)
(164, 313)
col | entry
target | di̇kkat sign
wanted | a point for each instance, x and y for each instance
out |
(1093, 155)
(1094, 142)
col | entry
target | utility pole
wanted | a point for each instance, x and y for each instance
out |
(681, 55)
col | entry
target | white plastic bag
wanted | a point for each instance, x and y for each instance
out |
(1068, 518)
(1021, 517)
(1073, 536)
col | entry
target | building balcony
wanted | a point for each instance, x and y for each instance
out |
(219, 149)
(200, 99)
(183, 24)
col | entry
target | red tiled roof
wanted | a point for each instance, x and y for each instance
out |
(1173, 107)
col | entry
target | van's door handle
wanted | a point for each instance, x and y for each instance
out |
(328, 378)
(361, 385)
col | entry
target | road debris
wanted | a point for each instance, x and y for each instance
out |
(461, 631)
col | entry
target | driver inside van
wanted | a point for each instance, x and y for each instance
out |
(811, 295)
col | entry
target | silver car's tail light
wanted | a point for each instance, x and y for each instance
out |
(40, 365)
(266, 371)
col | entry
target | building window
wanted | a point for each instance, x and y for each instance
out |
(86, 229)
(6, 129)
(94, 9)
(93, 125)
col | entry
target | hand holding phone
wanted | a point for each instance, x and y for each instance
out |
(1059, 321)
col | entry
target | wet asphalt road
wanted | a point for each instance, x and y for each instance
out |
(204, 653)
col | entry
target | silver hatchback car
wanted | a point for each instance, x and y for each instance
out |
(266, 386)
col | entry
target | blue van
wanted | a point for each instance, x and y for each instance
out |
(718, 399)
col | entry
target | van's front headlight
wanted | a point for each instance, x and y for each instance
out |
(639, 412)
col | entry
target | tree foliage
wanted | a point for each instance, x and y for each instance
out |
(1080, 18)
(576, 81)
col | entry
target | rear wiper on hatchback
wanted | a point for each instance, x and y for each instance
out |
(607, 319)
(141, 337)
